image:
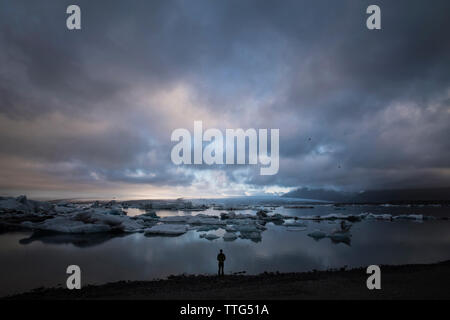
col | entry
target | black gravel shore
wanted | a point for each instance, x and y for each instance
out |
(425, 281)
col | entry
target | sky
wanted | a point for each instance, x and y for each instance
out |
(90, 112)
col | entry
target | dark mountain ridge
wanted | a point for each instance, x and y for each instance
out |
(423, 195)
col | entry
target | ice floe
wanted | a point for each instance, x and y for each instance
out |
(67, 225)
(22, 205)
(301, 224)
(209, 236)
(409, 217)
(378, 216)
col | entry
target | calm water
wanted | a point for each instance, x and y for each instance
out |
(29, 261)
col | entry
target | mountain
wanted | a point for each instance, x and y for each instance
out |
(375, 196)
(404, 195)
(320, 194)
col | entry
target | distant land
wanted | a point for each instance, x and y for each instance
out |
(374, 196)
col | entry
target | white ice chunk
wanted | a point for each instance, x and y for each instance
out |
(66, 225)
(118, 222)
(209, 236)
(409, 217)
(295, 224)
(379, 216)
(201, 220)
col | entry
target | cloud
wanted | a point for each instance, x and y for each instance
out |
(356, 109)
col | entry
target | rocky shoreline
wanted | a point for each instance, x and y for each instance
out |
(419, 281)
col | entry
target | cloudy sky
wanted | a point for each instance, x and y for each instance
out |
(90, 113)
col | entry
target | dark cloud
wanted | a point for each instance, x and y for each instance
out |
(356, 109)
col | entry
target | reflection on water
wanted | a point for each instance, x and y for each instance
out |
(40, 259)
(78, 240)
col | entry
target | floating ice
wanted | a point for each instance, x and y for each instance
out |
(210, 227)
(11, 204)
(295, 224)
(22, 205)
(409, 217)
(87, 221)
(64, 210)
(209, 236)
(149, 214)
(66, 225)
(208, 220)
(100, 217)
(175, 219)
(378, 216)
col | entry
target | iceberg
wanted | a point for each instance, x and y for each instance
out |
(22, 205)
(208, 220)
(67, 225)
(295, 224)
(409, 217)
(209, 236)
(149, 215)
(88, 221)
(64, 210)
(372, 216)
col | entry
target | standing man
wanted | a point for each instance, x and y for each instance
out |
(221, 258)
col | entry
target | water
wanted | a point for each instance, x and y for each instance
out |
(29, 261)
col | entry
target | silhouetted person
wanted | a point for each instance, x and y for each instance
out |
(221, 258)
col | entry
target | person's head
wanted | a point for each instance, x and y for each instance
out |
(220, 250)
